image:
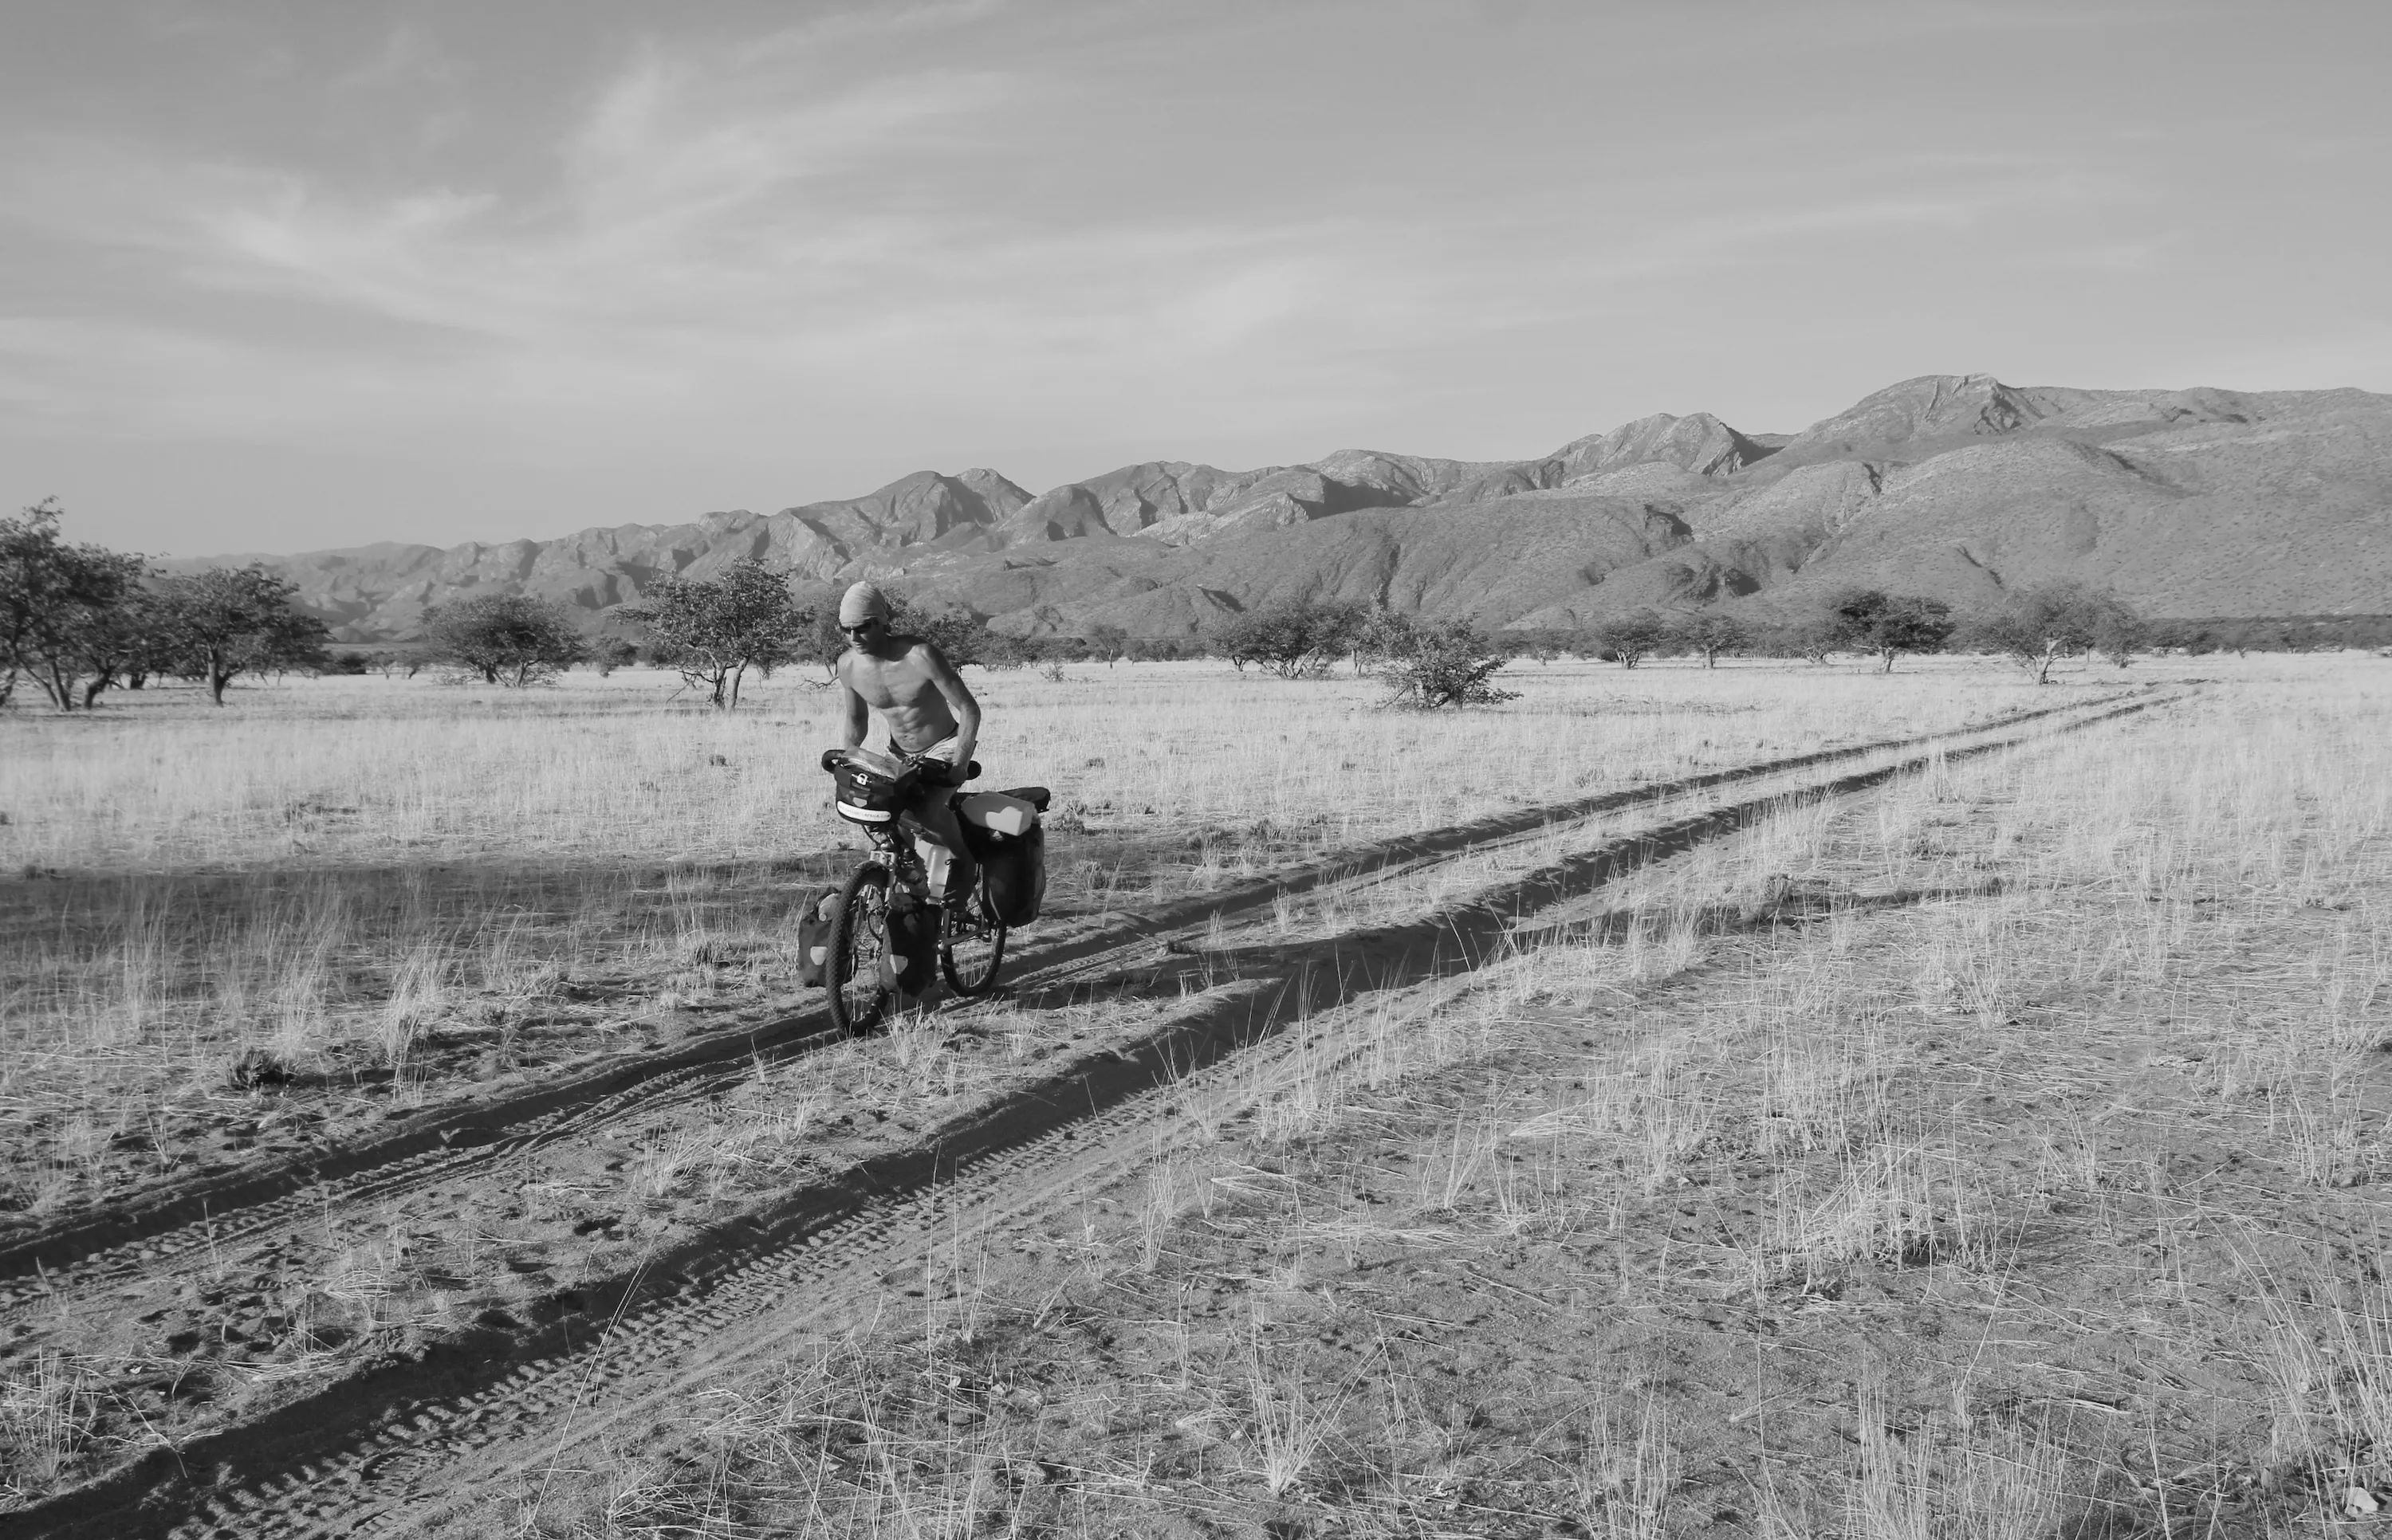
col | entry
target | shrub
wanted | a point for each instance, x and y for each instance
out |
(608, 654)
(1444, 663)
(1542, 644)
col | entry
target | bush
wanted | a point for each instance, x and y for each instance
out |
(2292, 633)
(608, 654)
(1446, 663)
(1542, 644)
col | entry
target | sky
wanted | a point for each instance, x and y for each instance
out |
(278, 275)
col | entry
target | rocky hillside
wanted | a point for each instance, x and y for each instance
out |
(2187, 502)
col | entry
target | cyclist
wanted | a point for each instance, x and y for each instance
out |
(932, 718)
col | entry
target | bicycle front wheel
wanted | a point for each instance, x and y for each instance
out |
(970, 956)
(859, 939)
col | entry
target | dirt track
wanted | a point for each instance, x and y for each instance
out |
(384, 1448)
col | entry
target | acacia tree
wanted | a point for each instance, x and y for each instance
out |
(960, 635)
(1816, 639)
(714, 629)
(1293, 640)
(1712, 633)
(1106, 641)
(2051, 621)
(511, 640)
(1381, 636)
(1628, 639)
(217, 625)
(1888, 625)
(2121, 631)
(1542, 644)
(57, 602)
(124, 644)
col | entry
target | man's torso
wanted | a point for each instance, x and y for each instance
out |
(903, 694)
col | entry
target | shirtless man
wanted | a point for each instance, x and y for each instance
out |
(929, 713)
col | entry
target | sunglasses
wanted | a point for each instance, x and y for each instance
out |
(859, 628)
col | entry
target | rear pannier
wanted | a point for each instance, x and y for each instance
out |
(1010, 845)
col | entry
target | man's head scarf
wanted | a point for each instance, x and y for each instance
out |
(861, 604)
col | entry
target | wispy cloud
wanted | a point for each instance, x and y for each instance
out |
(707, 218)
(835, 248)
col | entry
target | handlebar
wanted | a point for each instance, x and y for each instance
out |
(832, 757)
(945, 771)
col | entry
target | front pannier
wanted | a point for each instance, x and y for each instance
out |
(911, 958)
(814, 937)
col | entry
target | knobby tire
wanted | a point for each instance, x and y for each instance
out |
(975, 974)
(859, 936)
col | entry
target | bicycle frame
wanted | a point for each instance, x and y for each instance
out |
(895, 862)
(904, 854)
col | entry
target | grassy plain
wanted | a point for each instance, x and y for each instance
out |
(398, 887)
(1998, 1156)
(1990, 1153)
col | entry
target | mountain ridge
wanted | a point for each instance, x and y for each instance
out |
(2197, 500)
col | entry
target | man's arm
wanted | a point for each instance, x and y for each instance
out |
(858, 716)
(960, 703)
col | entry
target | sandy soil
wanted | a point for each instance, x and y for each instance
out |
(578, 1270)
(1958, 1185)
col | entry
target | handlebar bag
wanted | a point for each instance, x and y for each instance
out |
(872, 790)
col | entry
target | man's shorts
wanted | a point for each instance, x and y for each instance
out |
(943, 749)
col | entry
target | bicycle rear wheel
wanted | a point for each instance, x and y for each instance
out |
(970, 957)
(859, 937)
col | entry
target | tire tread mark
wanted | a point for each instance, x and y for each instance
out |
(756, 1259)
(92, 1248)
